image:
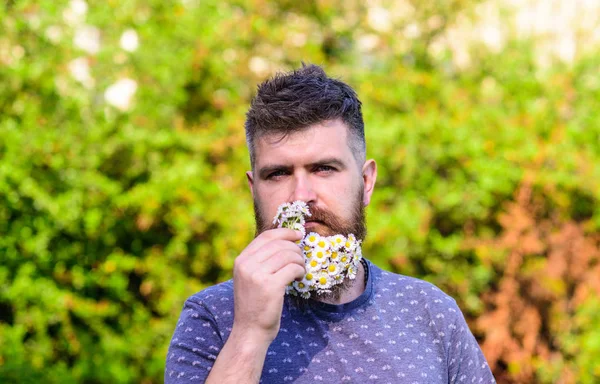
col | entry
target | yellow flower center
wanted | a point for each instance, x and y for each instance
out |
(322, 280)
(321, 244)
(320, 254)
(301, 285)
(309, 276)
(332, 268)
(312, 238)
(306, 248)
(344, 259)
(314, 263)
(334, 255)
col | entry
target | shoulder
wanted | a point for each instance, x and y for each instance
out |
(213, 298)
(214, 292)
(412, 291)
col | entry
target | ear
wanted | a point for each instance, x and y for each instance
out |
(250, 178)
(369, 174)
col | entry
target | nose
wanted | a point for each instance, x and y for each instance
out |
(303, 189)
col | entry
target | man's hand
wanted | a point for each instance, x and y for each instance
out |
(260, 275)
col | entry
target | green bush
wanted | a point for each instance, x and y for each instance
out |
(110, 218)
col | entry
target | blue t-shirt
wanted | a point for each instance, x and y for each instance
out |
(399, 330)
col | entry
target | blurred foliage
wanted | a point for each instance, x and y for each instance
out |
(113, 212)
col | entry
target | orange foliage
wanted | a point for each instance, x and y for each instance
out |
(550, 266)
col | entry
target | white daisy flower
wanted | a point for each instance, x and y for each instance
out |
(324, 280)
(351, 272)
(309, 279)
(337, 242)
(337, 279)
(345, 259)
(351, 243)
(321, 255)
(323, 244)
(335, 256)
(312, 239)
(301, 207)
(356, 257)
(301, 286)
(312, 265)
(333, 269)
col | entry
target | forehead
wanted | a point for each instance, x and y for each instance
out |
(324, 139)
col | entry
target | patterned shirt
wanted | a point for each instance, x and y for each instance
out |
(399, 330)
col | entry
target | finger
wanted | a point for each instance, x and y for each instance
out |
(288, 274)
(273, 248)
(280, 260)
(273, 234)
(268, 249)
(253, 262)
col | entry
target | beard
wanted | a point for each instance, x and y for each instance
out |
(330, 224)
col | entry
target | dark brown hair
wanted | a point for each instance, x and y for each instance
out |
(290, 102)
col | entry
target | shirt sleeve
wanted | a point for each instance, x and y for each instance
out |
(195, 345)
(466, 363)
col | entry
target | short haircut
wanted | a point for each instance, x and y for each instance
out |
(293, 101)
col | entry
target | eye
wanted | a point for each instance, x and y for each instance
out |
(325, 168)
(276, 174)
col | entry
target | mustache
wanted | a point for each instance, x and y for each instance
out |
(320, 215)
(326, 218)
(333, 224)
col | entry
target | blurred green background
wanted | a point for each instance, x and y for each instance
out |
(122, 159)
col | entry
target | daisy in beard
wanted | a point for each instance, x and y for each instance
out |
(338, 279)
(321, 255)
(312, 239)
(324, 281)
(328, 259)
(323, 244)
(335, 256)
(309, 279)
(313, 265)
(337, 242)
(301, 286)
(350, 243)
(356, 256)
(351, 272)
(333, 269)
(345, 260)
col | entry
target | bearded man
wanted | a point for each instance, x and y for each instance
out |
(305, 135)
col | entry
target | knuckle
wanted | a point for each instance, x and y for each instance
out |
(256, 278)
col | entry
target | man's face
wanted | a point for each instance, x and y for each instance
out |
(316, 166)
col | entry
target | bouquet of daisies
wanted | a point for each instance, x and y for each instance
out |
(328, 259)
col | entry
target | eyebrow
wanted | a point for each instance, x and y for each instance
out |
(263, 172)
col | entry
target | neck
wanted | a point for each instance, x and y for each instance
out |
(354, 290)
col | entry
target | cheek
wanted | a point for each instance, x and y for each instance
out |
(269, 200)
